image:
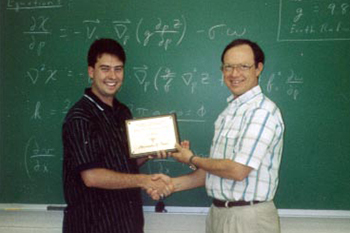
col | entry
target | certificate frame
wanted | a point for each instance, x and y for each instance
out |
(148, 135)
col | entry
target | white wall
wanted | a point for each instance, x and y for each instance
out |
(42, 221)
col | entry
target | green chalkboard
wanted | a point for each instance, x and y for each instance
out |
(173, 59)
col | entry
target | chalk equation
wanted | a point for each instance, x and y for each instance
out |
(37, 158)
(314, 20)
(165, 33)
(291, 83)
(46, 75)
(197, 114)
(223, 29)
(163, 79)
(158, 32)
(40, 112)
(41, 74)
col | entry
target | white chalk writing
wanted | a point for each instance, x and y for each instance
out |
(314, 20)
(18, 5)
(37, 158)
(292, 83)
(163, 79)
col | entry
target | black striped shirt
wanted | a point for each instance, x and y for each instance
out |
(94, 136)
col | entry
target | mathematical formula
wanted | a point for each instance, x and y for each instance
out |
(183, 114)
(291, 83)
(40, 112)
(314, 20)
(37, 159)
(159, 32)
(163, 78)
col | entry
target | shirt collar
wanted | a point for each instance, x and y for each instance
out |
(246, 96)
(99, 104)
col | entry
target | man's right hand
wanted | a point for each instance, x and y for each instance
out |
(158, 194)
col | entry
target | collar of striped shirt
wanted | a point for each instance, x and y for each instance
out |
(99, 104)
(246, 96)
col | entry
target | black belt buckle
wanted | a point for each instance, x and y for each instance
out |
(228, 204)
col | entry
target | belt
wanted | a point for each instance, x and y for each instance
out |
(228, 204)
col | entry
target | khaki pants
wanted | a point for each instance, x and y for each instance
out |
(258, 218)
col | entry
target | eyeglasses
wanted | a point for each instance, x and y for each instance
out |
(240, 67)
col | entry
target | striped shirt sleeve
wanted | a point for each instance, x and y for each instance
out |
(84, 147)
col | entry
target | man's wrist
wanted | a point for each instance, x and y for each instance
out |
(190, 162)
(142, 180)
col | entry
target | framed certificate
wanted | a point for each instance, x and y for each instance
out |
(149, 135)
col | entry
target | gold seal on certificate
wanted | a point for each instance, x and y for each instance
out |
(152, 134)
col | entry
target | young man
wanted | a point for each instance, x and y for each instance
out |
(101, 183)
(241, 173)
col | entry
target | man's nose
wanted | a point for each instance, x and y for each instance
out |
(235, 71)
(113, 74)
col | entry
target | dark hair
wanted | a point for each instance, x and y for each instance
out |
(258, 53)
(105, 45)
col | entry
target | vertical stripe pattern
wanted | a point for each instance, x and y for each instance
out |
(94, 136)
(250, 132)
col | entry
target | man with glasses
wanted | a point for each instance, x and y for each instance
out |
(241, 173)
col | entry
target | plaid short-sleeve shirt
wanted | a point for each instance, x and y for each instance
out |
(250, 132)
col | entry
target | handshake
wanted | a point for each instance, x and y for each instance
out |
(159, 186)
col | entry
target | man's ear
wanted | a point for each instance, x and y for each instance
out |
(91, 72)
(259, 69)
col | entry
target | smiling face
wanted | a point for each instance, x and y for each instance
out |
(107, 77)
(237, 80)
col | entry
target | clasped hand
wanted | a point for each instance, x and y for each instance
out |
(165, 185)
(160, 186)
